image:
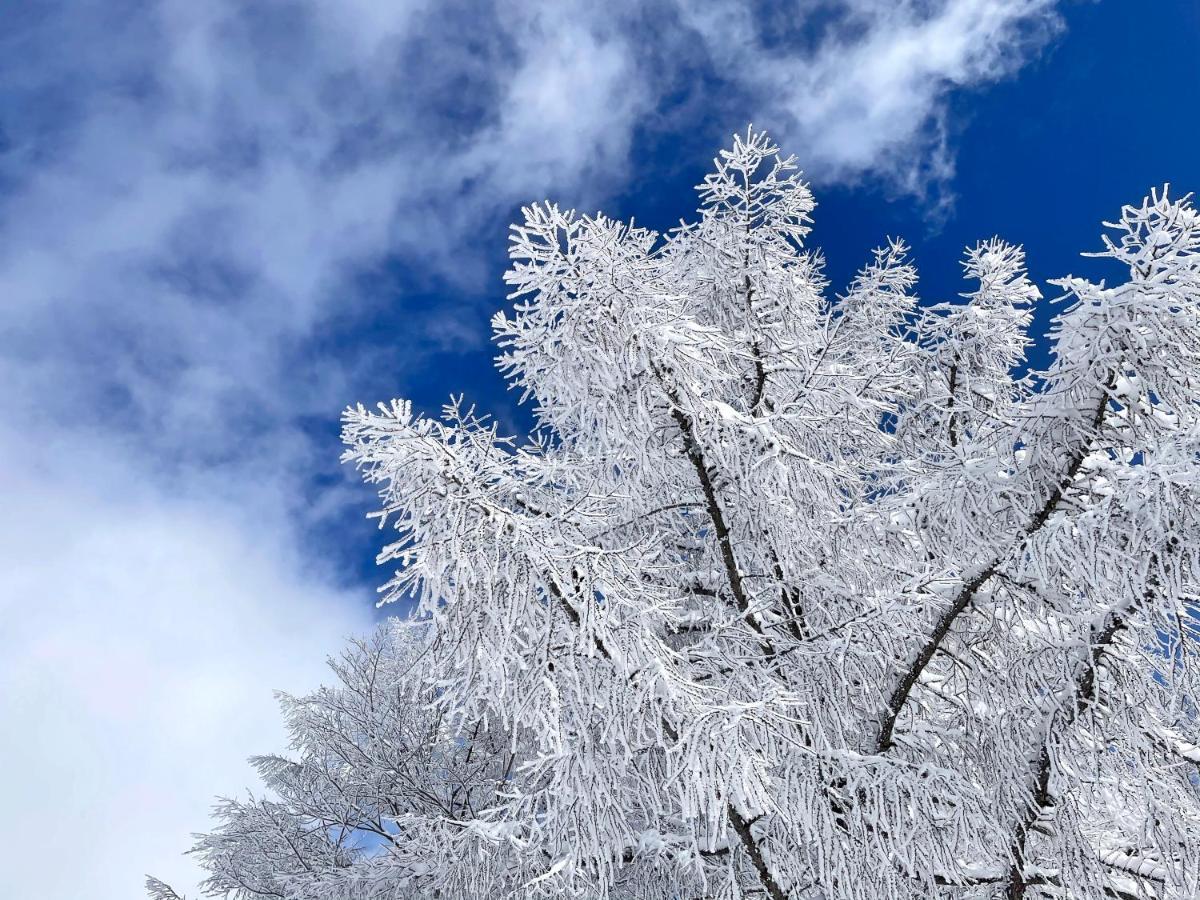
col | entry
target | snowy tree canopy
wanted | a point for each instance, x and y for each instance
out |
(791, 594)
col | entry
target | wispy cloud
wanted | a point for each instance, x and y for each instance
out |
(860, 88)
(187, 194)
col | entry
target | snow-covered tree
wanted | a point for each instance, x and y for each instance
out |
(379, 785)
(788, 595)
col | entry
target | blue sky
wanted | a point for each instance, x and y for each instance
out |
(222, 222)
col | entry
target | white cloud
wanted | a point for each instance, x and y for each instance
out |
(184, 190)
(867, 94)
(142, 636)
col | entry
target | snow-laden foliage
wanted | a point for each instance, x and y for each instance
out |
(789, 595)
(376, 788)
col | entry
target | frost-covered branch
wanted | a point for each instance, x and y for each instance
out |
(790, 594)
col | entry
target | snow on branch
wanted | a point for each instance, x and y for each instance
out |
(791, 593)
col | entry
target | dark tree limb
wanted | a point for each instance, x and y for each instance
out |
(966, 594)
(1085, 687)
(1085, 698)
(953, 425)
(741, 828)
(716, 514)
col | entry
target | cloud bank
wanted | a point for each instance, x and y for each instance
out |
(142, 636)
(189, 194)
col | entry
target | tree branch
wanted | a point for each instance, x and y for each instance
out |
(742, 828)
(712, 506)
(1084, 693)
(953, 425)
(1085, 698)
(967, 593)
